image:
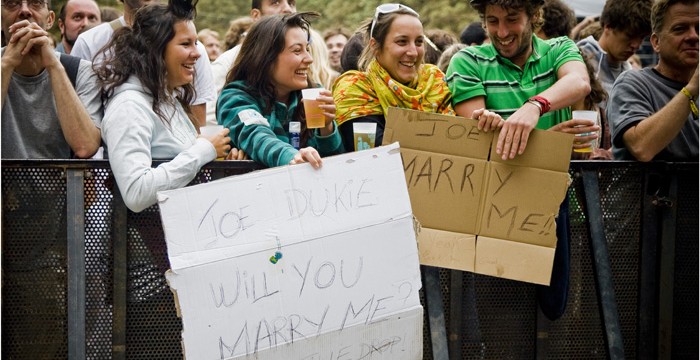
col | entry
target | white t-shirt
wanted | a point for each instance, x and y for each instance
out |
(219, 69)
(90, 42)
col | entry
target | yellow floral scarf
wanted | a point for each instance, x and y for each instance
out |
(359, 94)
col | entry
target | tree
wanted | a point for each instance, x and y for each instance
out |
(452, 15)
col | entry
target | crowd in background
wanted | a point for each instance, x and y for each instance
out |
(137, 86)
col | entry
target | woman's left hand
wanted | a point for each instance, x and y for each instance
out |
(328, 107)
(236, 154)
(578, 127)
(488, 120)
(307, 154)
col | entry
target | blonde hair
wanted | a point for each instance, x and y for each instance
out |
(207, 32)
(321, 71)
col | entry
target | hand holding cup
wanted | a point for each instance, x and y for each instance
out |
(586, 134)
(217, 136)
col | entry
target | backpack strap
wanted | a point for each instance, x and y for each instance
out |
(116, 24)
(71, 64)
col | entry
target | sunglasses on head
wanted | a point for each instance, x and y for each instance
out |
(388, 9)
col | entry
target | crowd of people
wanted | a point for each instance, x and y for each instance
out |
(604, 45)
(140, 85)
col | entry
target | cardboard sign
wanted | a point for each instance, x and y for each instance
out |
(478, 212)
(298, 263)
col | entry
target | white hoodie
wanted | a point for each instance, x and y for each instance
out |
(134, 136)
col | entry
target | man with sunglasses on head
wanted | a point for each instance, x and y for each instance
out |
(531, 83)
(222, 65)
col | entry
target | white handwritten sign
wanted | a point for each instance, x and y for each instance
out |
(298, 263)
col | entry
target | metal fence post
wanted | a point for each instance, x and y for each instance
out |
(667, 269)
(648, 278)
(455, 331)
(601, 268)
(75, 207)
(436, 314)
(119, 243)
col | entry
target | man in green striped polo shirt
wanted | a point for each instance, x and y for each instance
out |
(526, 80)
(531, 83)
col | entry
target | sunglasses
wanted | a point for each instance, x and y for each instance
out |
(388, 9)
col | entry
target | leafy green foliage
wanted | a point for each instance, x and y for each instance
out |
(452, 15)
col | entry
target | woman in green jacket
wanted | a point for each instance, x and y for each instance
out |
(263, 95)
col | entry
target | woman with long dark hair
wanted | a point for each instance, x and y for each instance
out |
(147, 89)
(263, 95)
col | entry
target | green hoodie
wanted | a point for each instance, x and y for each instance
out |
(265, 137)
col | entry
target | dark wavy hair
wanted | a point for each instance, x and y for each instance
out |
(259, 52)
(140, 51)
(597, 93)
(533, 9)
(559, 19)
(352, 51)
(629, 16)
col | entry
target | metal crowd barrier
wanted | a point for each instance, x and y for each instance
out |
(82, 277)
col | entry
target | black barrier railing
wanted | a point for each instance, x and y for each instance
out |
(83, 276)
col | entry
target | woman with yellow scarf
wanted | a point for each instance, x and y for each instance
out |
(392, 74)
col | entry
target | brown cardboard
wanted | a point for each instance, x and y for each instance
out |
(435, 179)
(447, 249)
(437, 133)
(503, 224)
(522, 203)
(514, 260)
(547, 150)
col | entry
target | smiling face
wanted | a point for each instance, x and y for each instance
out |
(402, 52)
(335, 45)
(181, 54)
(510, 32)
(289, 72)
(677, 42)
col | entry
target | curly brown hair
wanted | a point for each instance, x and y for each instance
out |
(559, 19)
(598, 93)
(628, 16)
(533, 9)
(236, 31)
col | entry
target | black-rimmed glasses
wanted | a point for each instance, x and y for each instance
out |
(388, 9)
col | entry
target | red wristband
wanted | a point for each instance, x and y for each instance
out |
(546, 106)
